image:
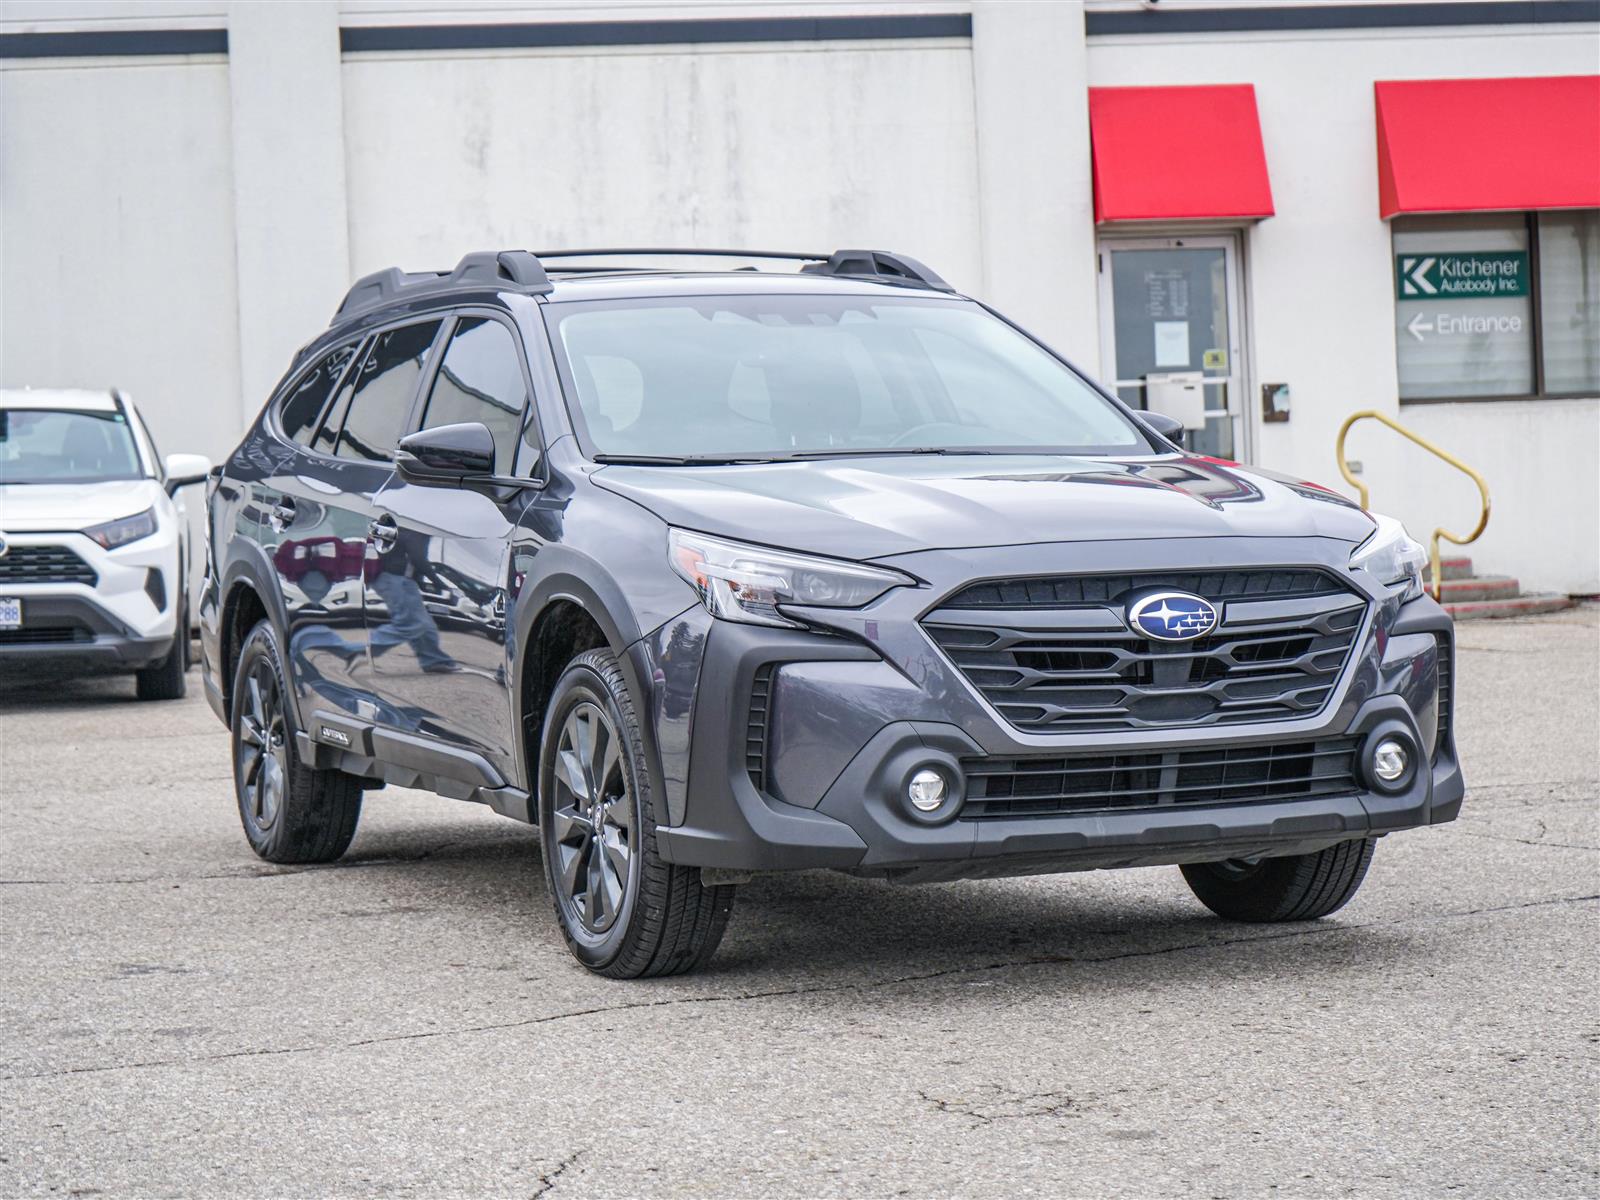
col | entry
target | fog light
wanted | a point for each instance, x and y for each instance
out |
(1390, 761)
(926, 791)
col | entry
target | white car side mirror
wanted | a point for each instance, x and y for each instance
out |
(184, 469)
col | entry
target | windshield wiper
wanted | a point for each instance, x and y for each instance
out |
(858, 452)
(680, 460)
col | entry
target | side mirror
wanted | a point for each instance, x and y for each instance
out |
(447, 455)
(1168, 427)
(184, 469)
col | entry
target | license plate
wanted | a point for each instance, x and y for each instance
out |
(10, 612)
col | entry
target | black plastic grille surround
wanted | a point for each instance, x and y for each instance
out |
(755, 742)
(1039, 787)
(45, 564)
(1056, 655)
(1446, 692)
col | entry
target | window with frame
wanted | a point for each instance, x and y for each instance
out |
(298, 411)
(385, 384)
(1498, 306)
(481, 380)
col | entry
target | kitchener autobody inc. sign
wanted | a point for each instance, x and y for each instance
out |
(1467, 275)
(1462, 320)
(1476, 275)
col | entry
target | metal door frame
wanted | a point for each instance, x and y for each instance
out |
(1231, 243)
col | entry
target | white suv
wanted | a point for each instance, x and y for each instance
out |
(94, 549)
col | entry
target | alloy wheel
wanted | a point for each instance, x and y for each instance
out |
(593, 828)
(263, 746)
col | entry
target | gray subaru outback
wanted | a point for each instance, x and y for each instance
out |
(714, 572)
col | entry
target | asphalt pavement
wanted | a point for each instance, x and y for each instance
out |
(178, 1018)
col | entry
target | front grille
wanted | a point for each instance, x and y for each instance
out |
(755, 742)
(1067, 591)
(1072, 664)
(1040, 787)
(45, 635)
(1446, 692)
(45, 564)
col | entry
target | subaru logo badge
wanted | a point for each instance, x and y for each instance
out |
(1172, 616)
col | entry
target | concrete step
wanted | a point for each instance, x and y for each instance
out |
(1459, 567)
(1481, 587)
(1521, 606)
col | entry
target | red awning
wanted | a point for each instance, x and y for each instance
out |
(1471, 145)
(1178, 153)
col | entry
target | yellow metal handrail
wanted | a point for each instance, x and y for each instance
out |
(1441, 532)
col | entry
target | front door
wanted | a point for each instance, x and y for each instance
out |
(441, 662)
(1171, 334)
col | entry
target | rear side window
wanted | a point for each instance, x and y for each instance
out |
(297, 414)
(481, 380)
(385, 385)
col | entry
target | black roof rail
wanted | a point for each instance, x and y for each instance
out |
(491, 268)
(878, 264)
(525, 271)
(661, 251)
(869, 264)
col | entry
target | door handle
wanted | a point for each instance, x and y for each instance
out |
(383, 532)
(281, 515)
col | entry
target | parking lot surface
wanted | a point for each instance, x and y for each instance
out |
(180, 1018)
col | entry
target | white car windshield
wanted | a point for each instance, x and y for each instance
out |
(762, 376)
(53, 445)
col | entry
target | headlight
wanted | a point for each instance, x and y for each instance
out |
(747, 583)
(124, 530)
(1393, 557)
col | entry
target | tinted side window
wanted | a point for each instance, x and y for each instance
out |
(297, 414)
(481, 380)
(385, 385)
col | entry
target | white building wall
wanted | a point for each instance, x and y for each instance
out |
(116, 219)
(1321, 290)
(804, 146)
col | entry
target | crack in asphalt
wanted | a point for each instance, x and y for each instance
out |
(821, 989)
(547, 1181)
(1005, 1105)
(1538, 841)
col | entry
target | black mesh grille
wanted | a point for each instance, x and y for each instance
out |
(45, 564)
(46, 635)
(1035, 787)
(1064, 591)
(755, 742)
(1075, 666)
(1446, 692)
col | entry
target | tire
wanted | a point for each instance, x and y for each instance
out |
(169, 678)
(291, 813)
(1301, 887)
(624, 912)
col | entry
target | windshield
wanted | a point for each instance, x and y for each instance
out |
(781, 376)
(51, 445)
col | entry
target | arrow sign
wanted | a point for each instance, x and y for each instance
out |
(1418, 327)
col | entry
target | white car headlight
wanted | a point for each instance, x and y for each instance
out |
(1393, 557)
(123, 530)
(747, 583)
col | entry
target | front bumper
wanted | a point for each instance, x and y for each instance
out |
(784, 750)
(113, 623)
(74, 632)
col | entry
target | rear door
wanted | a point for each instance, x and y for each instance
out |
(439, 650)
(315, 524)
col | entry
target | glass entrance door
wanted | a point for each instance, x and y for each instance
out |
(1169, 324)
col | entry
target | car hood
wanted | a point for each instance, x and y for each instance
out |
(26, 507)
(872, 508)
